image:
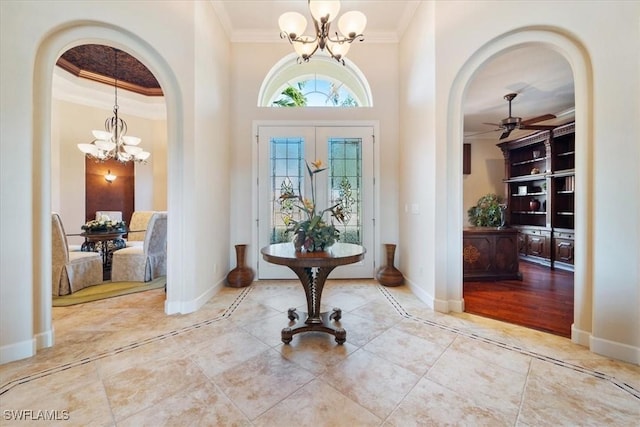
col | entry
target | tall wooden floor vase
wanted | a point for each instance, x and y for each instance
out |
(242, 275)
(388, 275)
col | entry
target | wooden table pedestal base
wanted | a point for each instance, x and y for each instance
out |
(323, 324)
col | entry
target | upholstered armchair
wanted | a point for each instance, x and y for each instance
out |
(138, 227)
(146, 262)
(71, 271)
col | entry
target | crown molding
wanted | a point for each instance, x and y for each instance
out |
(81, 91)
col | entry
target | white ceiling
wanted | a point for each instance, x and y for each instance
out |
(542, 78)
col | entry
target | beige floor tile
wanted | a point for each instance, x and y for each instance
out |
(268, 330)
(487, 384)
(147, 353)
(261, 382)
(361, 330)
(317, 405)
(142, 386)
(560, 396)
(403, 349)
(622, 372)
(75, 396)
(201, 404)
(316, 351)
(227, 350)
(492, 354)
(430, 404)
(371, 381)
(438, 336)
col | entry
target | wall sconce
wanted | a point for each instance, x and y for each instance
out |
(109, 177)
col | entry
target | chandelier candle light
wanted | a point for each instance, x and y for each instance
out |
(351, 25)
(113, 143)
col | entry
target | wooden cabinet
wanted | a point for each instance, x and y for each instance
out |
(490, 253)
(563, 247)
(563, 182)
(540, 187)
(536, 245)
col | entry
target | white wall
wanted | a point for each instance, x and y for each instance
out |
(251, 63)
(196, 146)
(420, 250)
(600, 40)
(487, 172)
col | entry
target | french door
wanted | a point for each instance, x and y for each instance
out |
(347, 152)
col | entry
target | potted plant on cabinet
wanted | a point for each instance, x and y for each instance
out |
(488, 212)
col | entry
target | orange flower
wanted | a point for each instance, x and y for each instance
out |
(309, 205)
(317, 164)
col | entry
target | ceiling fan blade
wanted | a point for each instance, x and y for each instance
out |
(538, 127)
(505, 134)
(492, 124)
(537, 119)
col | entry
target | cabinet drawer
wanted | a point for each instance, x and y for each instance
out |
(533, 232)
(563, 235)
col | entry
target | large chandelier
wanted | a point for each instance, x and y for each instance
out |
(351, 25)
(113, 143)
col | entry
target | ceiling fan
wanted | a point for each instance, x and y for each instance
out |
(511, 123)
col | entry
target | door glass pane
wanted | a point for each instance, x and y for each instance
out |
(286, 161)
(345, 184)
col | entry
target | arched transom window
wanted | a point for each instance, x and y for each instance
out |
(321, 82)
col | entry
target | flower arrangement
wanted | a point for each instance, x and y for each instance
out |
(104, 223)
(312, 233)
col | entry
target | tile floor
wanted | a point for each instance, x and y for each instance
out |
(123, 362)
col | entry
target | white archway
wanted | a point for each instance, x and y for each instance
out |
(48, 52)
(577, 57)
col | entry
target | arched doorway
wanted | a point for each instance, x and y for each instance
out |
(576, 56)
(542, 80)
(46, 57)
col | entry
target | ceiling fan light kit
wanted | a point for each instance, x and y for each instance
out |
(323, 12)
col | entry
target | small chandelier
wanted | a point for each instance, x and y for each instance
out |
(113, 143)
(351, 25)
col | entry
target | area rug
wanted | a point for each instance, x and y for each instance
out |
(108, 290)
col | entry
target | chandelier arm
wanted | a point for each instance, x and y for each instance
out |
(338, 39)
(337, 58)
(305, 58)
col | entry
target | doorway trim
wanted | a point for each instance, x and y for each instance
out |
(573, 51)
(316, 123)
(76, 33)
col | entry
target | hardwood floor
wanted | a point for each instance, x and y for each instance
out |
(543, 300)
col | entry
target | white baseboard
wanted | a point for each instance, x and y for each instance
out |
(457, 306)
(579, 336)
(420, 293)
(17, 351)
(615, 350)
(442, 306)
(45, 339)
(185, 307)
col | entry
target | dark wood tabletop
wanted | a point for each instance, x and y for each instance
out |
(338, 254)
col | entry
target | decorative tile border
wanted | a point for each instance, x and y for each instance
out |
(599, 375)
(390, 299)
